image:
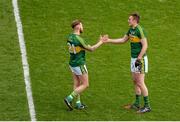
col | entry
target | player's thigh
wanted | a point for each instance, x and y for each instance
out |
(139, 78)
(134, 77)
(82, 73)
(84, 79)
(76, 80)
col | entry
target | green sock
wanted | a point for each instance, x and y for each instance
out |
(137, 101)
(146, 101)
(71, 96)
(78, 97)
(78, 101)
(74, 94)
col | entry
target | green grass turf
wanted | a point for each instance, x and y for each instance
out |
(13, 101)
(46, 24)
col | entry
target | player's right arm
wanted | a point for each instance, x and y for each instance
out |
(117, 41)
(94, 47)
(89, 47)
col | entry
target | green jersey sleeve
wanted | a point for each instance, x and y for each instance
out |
(81, 40)
(142, 33)
(128, 32)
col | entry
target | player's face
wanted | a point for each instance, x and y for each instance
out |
(81, 27)
(131, 21)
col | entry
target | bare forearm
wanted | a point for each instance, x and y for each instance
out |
(144, 48)
(143, 51)
(116, 41)
(94, 47)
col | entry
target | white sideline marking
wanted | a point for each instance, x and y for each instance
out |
(24, 61)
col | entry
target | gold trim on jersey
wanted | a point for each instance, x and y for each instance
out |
(78, 49)
(134, 38)
(75, 49)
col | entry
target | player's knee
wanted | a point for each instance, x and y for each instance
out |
(139, 84)
(135, 79)
(134, 82)
(87, 85)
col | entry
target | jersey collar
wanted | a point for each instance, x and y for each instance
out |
(135, 26)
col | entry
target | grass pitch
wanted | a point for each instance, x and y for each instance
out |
(46, 25)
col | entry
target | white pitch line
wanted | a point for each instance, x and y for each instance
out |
(24, 61)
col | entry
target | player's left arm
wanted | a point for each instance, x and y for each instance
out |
(144, 48)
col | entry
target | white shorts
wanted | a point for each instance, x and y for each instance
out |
(143, 68)
(79, 70)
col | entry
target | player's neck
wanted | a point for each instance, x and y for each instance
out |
(135, 25)
(77, 32)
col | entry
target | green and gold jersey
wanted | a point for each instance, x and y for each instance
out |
(76, 47)
(135, 35)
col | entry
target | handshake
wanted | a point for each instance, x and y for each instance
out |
(104, 38)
